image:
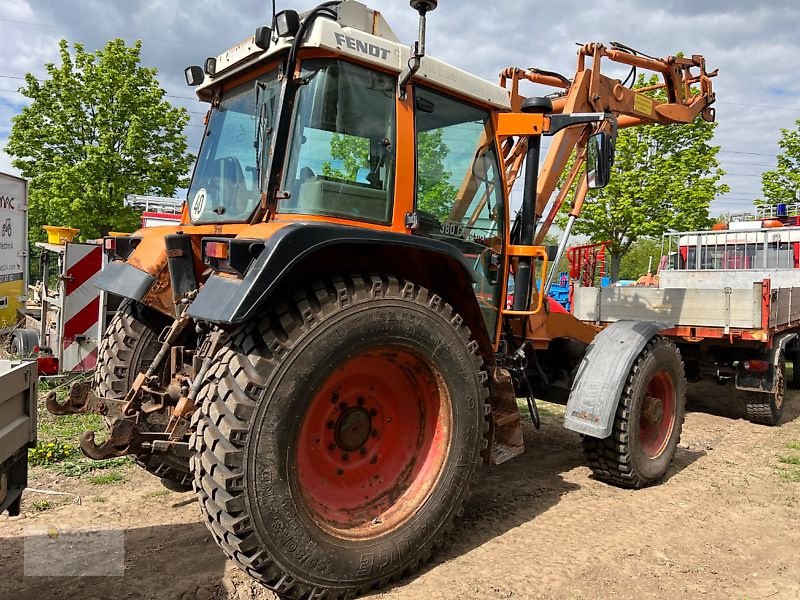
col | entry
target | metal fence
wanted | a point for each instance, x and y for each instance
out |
(775, 248)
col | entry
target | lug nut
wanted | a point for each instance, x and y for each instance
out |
(339, 472)
(345, 456)
(343, 405)
(373, 460)
(363, 451)
(373, 412)
(331, 446)
(361, 401)
(331, 424)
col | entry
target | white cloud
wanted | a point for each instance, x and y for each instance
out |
(753, 44)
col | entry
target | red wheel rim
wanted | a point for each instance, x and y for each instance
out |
(373, 442)
(658, 415)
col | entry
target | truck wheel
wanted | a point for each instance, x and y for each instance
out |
(767, 409)
(128, 347)
(648, 422)
(338, 436)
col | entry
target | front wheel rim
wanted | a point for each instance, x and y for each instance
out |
(373, 442)
(657, 418)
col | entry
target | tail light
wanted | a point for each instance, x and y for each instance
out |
(756, 366)
(231, 255)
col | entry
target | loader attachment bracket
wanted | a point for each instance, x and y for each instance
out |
(602, 374)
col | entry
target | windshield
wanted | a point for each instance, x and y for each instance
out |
(341, 159)
(225, 184)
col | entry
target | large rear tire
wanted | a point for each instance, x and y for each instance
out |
(767, 408)
(648, 422)
(337, 437)
(127, 348)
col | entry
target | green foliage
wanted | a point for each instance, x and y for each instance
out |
(635, 262)
(97, 128)
(82, 466)
(352, 151)
(49, 453)
(664, 178)
(107, 478)
(781, 184)
(435, 194)
(42, 505)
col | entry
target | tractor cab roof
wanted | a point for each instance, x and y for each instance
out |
(362, 34)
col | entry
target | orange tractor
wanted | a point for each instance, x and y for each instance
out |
(322, 348)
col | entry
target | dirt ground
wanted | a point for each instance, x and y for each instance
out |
(724, 524)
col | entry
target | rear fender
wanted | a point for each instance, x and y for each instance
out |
(602, 373)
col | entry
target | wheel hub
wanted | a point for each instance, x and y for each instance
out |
(653, 410)
(657, 416)
(352, 429)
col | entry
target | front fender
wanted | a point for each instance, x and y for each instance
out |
(230, 300)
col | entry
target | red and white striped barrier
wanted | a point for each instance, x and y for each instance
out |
(81, 310)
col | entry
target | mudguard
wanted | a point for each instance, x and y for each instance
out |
(233, 301)
(764, 382)
(602, 374)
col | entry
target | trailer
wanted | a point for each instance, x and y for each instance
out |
(729, 299)
(17, 429)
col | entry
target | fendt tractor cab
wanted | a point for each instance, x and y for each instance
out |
(323, 347)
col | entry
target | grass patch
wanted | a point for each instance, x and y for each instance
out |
(82, 465)
(42, 505)
(546, 409)
(107, 478)
(789, 468)
(157, 493)
(792, 475)
(97, 499)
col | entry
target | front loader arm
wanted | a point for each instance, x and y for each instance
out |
(689, 94)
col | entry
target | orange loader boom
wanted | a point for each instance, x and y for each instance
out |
(689, 94)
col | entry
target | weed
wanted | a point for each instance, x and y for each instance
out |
(790, 459)
(793, 445)
(157, 493)
(97, 499)
(41, 505)
(49, 453)
(81, 465)
(789, 474)
(107, 478)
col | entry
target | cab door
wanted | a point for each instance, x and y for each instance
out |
(459, 189)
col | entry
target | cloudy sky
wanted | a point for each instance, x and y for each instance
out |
(754, 44)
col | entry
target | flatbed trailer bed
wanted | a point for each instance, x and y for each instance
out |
(734, 325)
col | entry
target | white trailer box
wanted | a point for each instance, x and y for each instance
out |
(13, 247)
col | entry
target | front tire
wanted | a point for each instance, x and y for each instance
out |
(648, 421)
(338, 436)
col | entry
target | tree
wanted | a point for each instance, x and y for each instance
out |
(664, 178)
(435, 194)
(97, 128)
(643, 253)
(782, 184)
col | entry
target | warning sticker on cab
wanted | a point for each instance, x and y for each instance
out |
(643, 104)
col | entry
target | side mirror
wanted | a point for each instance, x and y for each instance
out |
(599, 158)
